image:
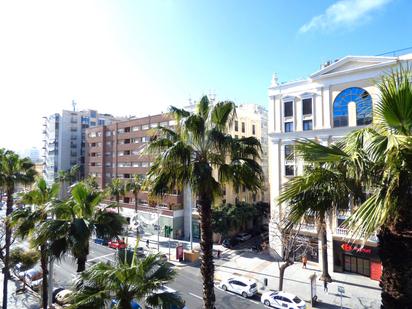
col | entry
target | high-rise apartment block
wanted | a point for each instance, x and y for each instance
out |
(64, 137)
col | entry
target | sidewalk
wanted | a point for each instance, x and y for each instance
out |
(360, 292)
(27, 299)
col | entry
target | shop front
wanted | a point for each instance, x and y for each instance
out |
(353, 258)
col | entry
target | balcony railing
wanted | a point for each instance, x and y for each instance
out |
(344, 232)
(308, 227)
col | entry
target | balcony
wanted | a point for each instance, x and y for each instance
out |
(345, 232)
(310, 227)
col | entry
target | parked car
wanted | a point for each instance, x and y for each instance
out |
(55, 292)
(117, 244)
(230, 243)
(240, 285)
(101, 241)
(33, 277)
(63, 297)
(243, 236)
(282, 300)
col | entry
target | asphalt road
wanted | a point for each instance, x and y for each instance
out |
(189, 284)
(65, 269)
(188, 281)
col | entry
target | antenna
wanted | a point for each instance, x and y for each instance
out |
(74, 105)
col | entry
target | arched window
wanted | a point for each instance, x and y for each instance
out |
(363, 102)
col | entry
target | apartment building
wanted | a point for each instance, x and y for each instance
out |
(324, 107)
(64, 137)
(251, 120)
(115, 151)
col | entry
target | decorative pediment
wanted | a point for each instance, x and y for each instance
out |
(352, 63)
(288, 98)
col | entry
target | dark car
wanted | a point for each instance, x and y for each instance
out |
(55, 292)
(101, 241)
(230, 243)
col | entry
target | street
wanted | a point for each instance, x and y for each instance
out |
(188, 281)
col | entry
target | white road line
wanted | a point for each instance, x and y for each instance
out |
(100, 257)
(194, 295)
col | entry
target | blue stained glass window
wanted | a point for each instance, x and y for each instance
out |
(363, 103)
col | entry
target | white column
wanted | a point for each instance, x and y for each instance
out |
(275, 185)
(298, 115)
(327, 108)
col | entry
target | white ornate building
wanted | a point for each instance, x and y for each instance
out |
(326, 106)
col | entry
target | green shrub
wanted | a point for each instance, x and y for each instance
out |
(28, 258)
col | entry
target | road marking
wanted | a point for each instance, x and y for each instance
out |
(194, 295)
(101, 257)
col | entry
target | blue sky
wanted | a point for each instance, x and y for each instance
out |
(138, 57)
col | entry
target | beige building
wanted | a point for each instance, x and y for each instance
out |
(251, 120)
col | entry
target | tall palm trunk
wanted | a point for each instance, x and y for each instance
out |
(81, 263)
(43, 262)
(324, 244)
(117, 202)
(206, 244)
(135, 201)
(395, 252)
(6, 272)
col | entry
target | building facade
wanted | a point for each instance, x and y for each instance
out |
(116, 151)
(324, 107)
(251, 120)
(64, 137)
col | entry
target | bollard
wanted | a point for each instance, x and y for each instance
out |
(265, 282)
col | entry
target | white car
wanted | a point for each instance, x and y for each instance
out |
(243, 236)
(240, 285)
(282, 300)
(63, 297)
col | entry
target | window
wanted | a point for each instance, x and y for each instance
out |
(127, 130)
(288, 111)
(108, 133)
(307, 125)
(108, 153)
(108, 143)
(108, 164)
(136, 128)
(289, 152)
(243, 127)
(236, 125)
(363, 102)
(154, 125)
(99, 133)
(93, 114)
(145, 164)
(92, 123)
(145, 139)
(145, 127)
(289, 170)
(253, 129)
(307, 106)
(136, 164)
(85, 120)
(120, 131)
(236, 136)
(100, 122)
(164, 124)
(288, 126)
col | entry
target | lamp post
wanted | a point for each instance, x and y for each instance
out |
(158, 228)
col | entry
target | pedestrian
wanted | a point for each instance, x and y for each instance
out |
(147, 243)
(304, 261)
(325, 286)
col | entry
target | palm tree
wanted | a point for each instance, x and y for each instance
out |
(189, 154)
(76, 220)
(117, 189)
(67, 178)
(13, 171)
(316, 193)
(27, 219)
(141, 280)
(380, 159)
(134, 186)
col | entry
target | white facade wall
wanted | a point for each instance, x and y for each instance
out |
(322, 87)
